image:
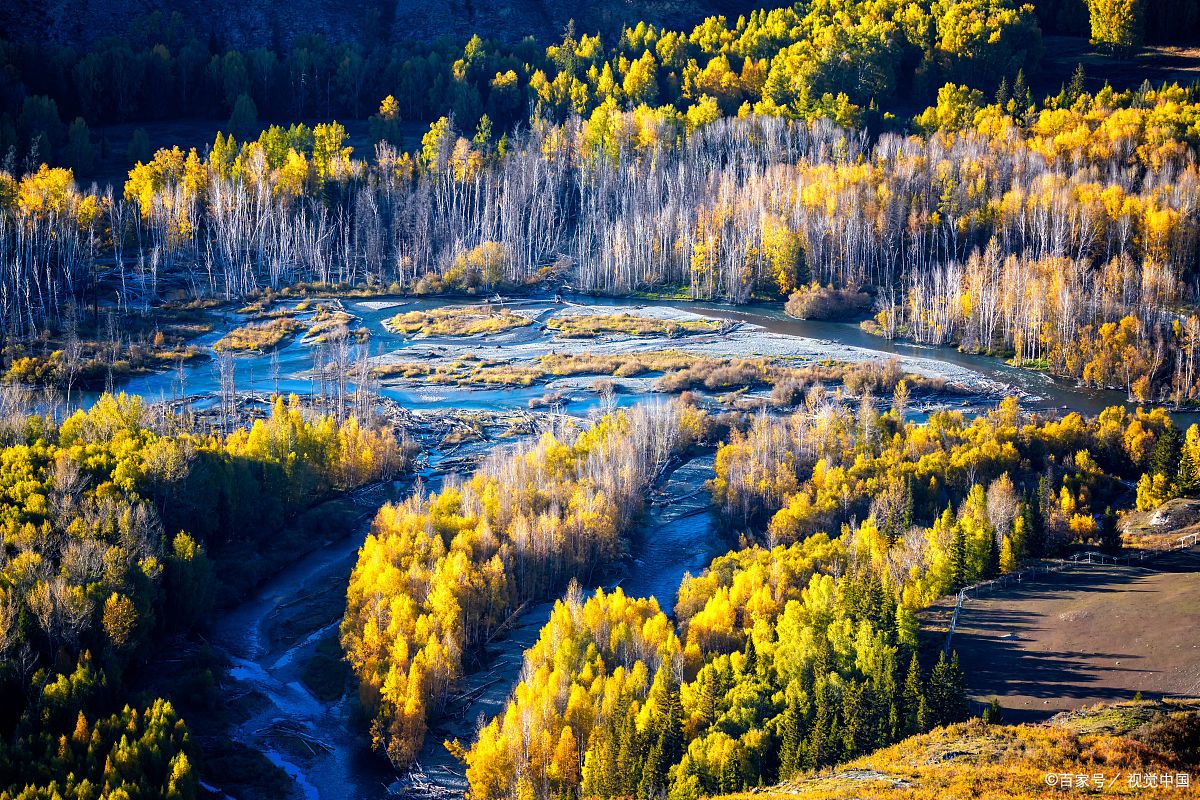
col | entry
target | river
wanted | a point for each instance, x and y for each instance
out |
(322, 744)
(290, 368)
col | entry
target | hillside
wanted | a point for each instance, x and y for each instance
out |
(974, 759)
(271, 23)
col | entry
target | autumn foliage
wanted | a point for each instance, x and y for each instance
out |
(440, 573)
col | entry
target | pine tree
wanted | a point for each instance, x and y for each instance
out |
(958, 557)
(858, 712)
(600, 771)
(790, 750)
(946, 697)
(1110, 535)
(670, 737)
(824, 734)
(912, 699)
(1022, 96)
(1035, 524)
(1185, 480)
(629, 755)
(708, 697)
(958, 690)
(992, 567)
(1164, 458)
(750, 665)
(1078, 84)
(654, 775)
(885, 694)
(667, 749)
(729, 779)
(243, 121)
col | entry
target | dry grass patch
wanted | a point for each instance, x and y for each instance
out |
(687, 372)
(620, 366)
(723, 374)
(976, 760)
(261, 337)
(465, 371)
(326, 321)
(455, 321)
(585, 326)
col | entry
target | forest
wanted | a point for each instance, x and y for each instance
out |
(122, 526)
(801, 650)
(1061, 236)
(909, 174)
(439, 575)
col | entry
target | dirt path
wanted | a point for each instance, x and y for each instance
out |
(1094, 633)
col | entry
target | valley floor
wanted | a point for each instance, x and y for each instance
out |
(1090, 634)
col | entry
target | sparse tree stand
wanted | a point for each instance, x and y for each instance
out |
(1117, 26)
(385, 126)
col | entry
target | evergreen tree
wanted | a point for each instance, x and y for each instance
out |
(994, 713)
(629, 756)
(80, 153)
(1110, 536)
(670, 736)
(824, 735)
(750, 665)
(1164, 458)
(654, 774)
(911, 699)
(600, 768)
(991, 567)
(708, 697)
(1035, 523)
(1185, 480)
(1022, 96)
(668, 745)
(243, 121)
(958, 557)
(139, 147)
(858, 713)
(790, 734)
(1078, 86)
(925, 719)
(946, 697)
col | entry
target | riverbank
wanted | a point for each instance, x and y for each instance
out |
(678, 533)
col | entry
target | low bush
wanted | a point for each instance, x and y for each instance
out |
(826, 303)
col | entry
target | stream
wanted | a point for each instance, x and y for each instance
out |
(323, 745)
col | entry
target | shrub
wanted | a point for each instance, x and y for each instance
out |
(826, 303)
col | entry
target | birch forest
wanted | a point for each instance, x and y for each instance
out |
(1062, 237)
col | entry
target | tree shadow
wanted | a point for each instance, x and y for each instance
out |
(996, 630)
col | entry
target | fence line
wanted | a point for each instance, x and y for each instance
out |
(1055, 566)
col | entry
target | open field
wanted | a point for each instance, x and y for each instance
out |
(1157, 64)
(1093, 633)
